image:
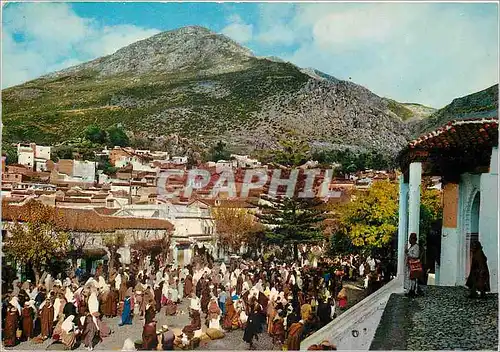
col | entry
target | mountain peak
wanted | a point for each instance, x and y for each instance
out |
(170, 51)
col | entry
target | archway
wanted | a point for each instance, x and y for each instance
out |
(473, 233)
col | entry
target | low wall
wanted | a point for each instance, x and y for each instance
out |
(364, 318)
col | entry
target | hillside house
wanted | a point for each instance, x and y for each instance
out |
(89, 228)
(33, 156)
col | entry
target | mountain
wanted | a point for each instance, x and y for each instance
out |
(204, 87)
(480, 104)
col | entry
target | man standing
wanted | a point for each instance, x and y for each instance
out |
(222, 300)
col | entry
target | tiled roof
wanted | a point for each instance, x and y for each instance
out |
(71, 219)
(457, 147)
(459, 132)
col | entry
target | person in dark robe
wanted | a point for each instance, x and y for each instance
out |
(295, 334)
(104, 303)
(231, 317)
(239, 285)
(69, 309)
(158, 293)
(170, 307)
(150, 309)
(149, 338)
(205, 298)
(112, 302)
(168, 339)
(252, 328)
(188, 286)
(27, 315)
(127, 309)
(47, 318)
(195, 323)
(11, 326)
(278, 328)
(199, 286)
(479, 277)
(90, 334)
(324, 313)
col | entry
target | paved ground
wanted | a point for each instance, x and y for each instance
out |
(232, 340)
(443, 319)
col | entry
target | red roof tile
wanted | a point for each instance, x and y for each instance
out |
(70, 219)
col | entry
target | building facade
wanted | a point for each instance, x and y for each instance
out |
(465, 154)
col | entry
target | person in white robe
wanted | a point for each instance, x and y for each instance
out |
(165, 289)
(180, 289)
(57, 308)
(93, 302)
(14, 301)
(118, 281)
(174, 294)
(362, 270)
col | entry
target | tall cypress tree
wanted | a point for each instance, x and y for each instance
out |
(292, 220)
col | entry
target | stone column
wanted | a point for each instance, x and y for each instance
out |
(402, 225)
(414, 198)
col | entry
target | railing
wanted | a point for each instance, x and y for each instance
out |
(361, 318)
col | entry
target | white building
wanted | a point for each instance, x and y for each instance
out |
(193, 224)
(244, 161)
(179, 160)
(138, 163)
(470, 194)
(33, 156)
(223, 165)
(84, 170)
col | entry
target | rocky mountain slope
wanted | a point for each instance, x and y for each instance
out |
(480, 104)
(204, 87)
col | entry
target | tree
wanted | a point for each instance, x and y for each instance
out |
(219, 152)
(235, 226)
(10, 153)
(151, 247)
(117, 137)
(77, 243)
(35, 237)
(113, 242)
(95, 134)
(293, 151)
(292, 221)
(370, 221)
(105, 165)
(62, 152)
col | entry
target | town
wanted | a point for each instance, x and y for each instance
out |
(134, 191)
(249, 176)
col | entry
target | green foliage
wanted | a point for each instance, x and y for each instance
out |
(10, 152)
(370, 221)
(62, 152)
(95, 134)
(399, 109)
(60, 108)
(292, 220)
(117, 137)
(352, 162)
(34, 236)
(340, 244)
(105, 164)
(219, 152)
(293, 151)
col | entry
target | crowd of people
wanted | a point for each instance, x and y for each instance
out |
(288, 301)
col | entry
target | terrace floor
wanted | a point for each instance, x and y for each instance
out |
(444, 318)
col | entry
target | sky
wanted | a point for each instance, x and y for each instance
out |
(428, 53)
